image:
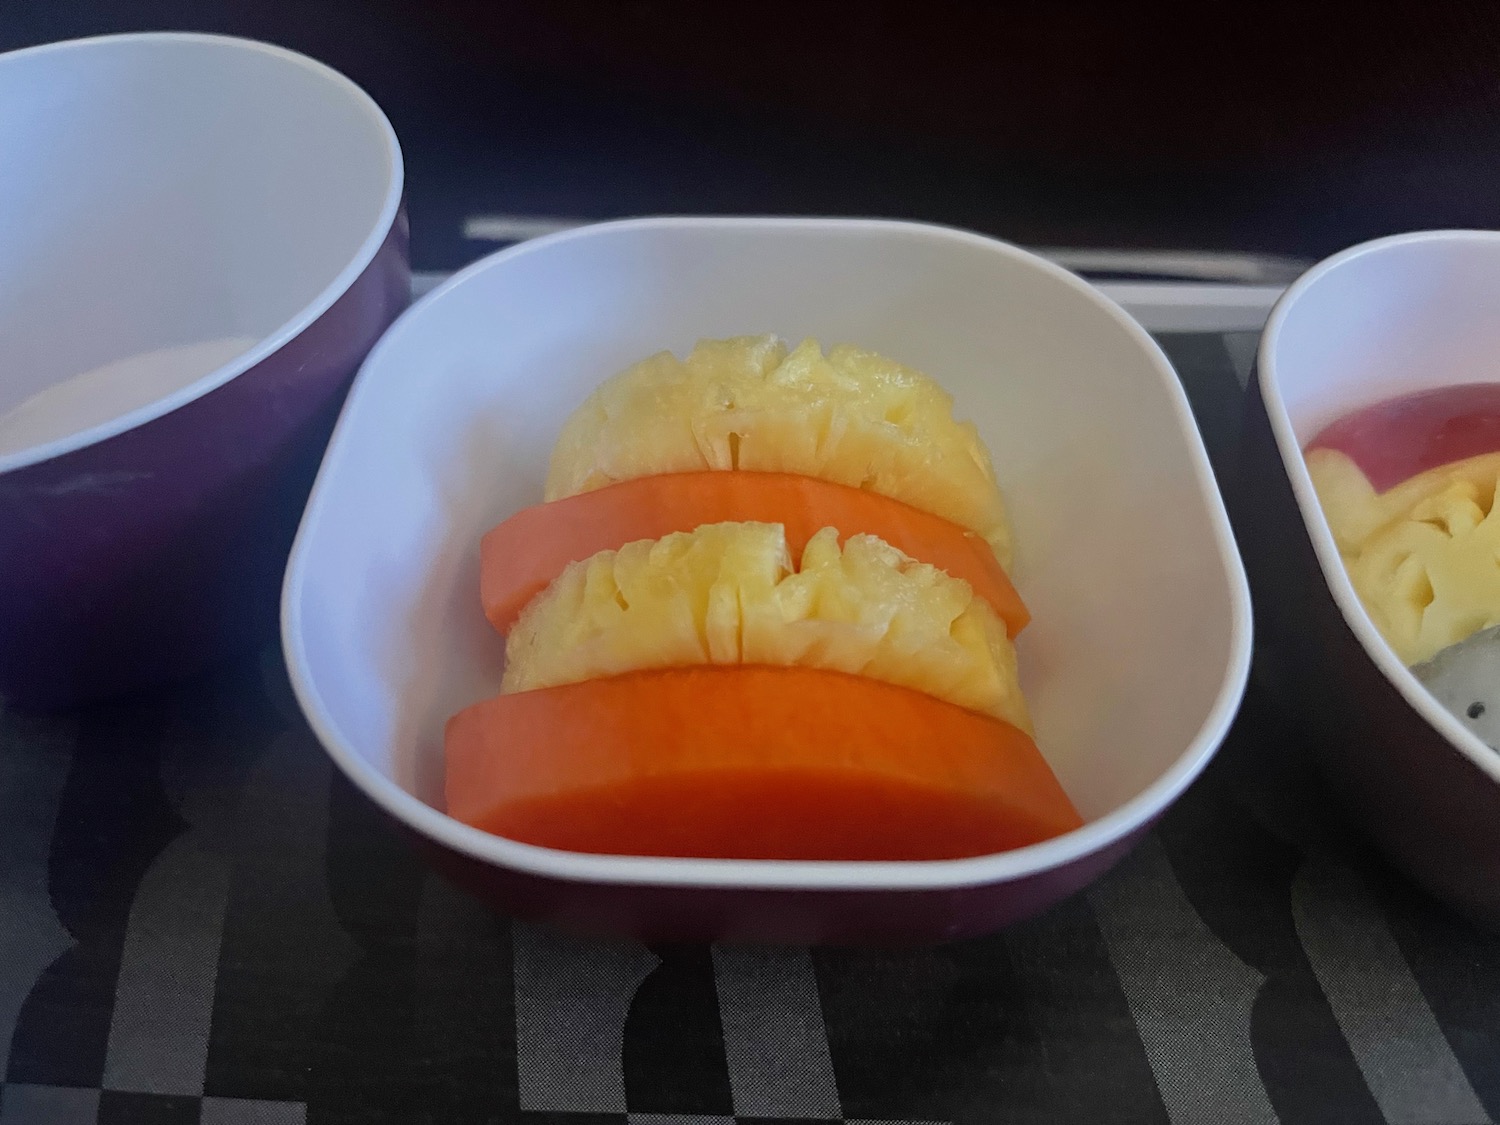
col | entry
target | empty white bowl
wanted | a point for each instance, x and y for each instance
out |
(1134, 663)
(200, 239)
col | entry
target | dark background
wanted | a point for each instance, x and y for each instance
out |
(1294, 129)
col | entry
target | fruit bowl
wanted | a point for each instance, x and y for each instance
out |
(1376, 322)
(1134, 663)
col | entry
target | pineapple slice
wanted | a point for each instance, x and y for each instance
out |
(852, 417)
(1424, 556)
(728, 593)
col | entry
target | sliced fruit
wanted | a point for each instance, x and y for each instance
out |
(728, 593)
(852, 417)
(749, 763)
(1394, 440)
(1424, 556)
(524, 554)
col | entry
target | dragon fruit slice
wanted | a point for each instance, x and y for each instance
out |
(1465, 678)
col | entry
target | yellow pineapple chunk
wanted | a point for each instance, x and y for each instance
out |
(851, 417)
(1424, 557)
(729, 593)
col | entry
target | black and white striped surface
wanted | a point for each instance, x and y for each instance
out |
(200, 921)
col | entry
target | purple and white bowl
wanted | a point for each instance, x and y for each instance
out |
(1140, 640)
(200, 239)
(1402, 314)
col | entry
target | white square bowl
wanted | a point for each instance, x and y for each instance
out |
(1134, 664)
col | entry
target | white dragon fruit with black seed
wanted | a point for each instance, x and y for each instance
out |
(1465, 678)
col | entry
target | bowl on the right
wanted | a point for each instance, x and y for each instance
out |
(1376, 322)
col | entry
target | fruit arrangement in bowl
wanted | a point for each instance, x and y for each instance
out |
(767, 671)
(744, 653)
(1408, 487)
(1371, 460)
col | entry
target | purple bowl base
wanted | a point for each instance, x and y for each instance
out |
(1425, 804)
(154, 554)
(699, 914)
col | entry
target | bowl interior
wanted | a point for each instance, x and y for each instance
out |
(184, 199)
(1387, 318)
(1402, 315)
(1140, 639)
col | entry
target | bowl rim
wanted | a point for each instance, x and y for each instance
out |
(1335, 578)
(278, 338)
(784, 875)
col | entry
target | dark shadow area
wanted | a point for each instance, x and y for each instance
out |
(1292, 129)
